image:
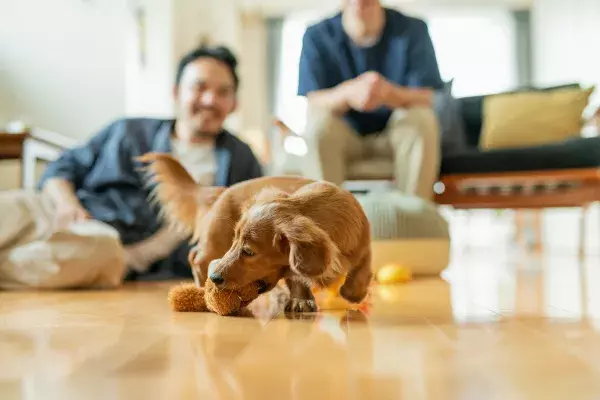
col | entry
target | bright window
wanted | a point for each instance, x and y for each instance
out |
(477, 49)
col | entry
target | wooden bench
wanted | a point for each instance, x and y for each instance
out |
(524, 190)
(518, 190)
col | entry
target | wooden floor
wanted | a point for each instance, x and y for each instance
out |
(495, 327)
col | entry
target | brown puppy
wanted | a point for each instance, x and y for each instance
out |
(310, 231)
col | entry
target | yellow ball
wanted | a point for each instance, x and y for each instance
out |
(393, 273)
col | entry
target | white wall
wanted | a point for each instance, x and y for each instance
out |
(254, 117)
(148, 85)
(61, 63)
(218, 18)
(565, 42)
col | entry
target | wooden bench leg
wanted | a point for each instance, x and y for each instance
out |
(582, 230)
(469, 224)
(538, 228)
(523, 224)
(520, 224)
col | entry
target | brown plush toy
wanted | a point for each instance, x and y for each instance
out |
(187, 297)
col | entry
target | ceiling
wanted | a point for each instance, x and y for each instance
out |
(279, 7)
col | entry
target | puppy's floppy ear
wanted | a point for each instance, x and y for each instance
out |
(174, 189)
(312, 252)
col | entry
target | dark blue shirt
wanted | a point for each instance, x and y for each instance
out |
(404, 55)
(110, 185)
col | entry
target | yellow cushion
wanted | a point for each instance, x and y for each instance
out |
(532, 118)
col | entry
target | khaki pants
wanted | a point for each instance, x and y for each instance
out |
(35, 254)
(411, 140)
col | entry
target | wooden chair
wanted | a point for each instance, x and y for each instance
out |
(11, 148)
(30, 147)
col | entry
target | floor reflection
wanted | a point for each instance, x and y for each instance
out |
(492, 327)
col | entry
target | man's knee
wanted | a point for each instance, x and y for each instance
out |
(421, 123)
(23, 216)
(423, 118)
(421, 114)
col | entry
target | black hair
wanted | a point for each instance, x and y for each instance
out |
(219, 53)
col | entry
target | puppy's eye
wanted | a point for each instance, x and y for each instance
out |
(247, 252)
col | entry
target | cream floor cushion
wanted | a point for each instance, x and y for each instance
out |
(407, 230)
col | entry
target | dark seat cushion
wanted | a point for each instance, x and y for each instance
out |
(573, 153)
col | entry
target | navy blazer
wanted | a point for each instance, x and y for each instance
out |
(110, 185)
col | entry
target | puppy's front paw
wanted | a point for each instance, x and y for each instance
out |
(300, 305)
(352, 295)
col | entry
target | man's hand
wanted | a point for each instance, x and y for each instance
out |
(371, 90)
(416, 97)
(68, 207)
(70, 211)
(368, 92)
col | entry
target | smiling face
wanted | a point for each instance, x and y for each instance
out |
(205, 96)
(257, 251)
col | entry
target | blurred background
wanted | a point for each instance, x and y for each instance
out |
(70, 66)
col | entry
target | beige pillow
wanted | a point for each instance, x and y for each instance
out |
(532, 118)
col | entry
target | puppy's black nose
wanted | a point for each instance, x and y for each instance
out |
(216, 279)
(262, 287)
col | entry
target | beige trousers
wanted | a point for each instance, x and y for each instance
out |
(411, 140)
(35, 254)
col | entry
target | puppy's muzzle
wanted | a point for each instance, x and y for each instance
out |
(213, 273)
(217, 279)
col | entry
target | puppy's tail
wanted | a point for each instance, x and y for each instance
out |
(175, 190)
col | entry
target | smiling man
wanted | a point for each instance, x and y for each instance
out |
(101, 182)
